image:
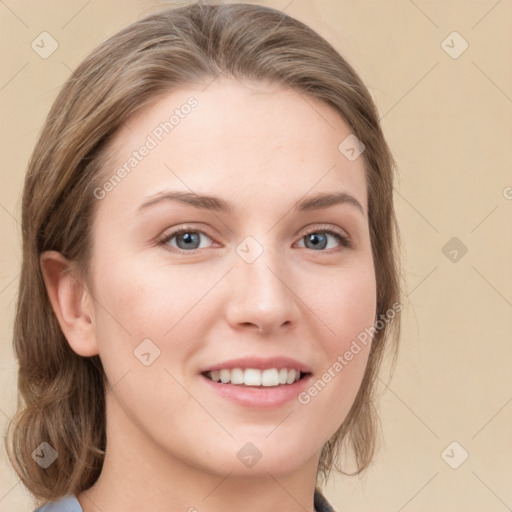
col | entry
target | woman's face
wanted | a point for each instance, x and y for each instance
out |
(259, 272)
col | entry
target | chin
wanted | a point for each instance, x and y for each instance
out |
(259, 459)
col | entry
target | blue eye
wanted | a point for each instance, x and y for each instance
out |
(186, 239)
(319, 240)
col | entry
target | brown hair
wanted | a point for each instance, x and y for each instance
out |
(61, 394)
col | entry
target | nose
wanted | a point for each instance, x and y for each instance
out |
(261, 295)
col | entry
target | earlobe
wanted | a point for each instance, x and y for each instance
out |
(70, 301)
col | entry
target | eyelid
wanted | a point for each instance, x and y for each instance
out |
(344, 237)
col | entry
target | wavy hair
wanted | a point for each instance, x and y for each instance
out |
(61, 395)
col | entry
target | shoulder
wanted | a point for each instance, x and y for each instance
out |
(65, 504)
(71, 504)
(320, 503)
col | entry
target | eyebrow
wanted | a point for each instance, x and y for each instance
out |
(318, 201)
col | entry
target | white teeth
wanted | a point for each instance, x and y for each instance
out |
(237, 376)
(269, 377)
(252, 377)
(255, 377)
(291, 376)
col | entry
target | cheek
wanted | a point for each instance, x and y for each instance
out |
(345, 302)
(352, 321)
(347, 309)
(137, 300)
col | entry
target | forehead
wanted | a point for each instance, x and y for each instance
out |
(233, 137)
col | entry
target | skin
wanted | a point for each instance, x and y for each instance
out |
(172, 442)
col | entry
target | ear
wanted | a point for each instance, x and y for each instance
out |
(71, 302)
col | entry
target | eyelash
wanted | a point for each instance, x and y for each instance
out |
(163, 240)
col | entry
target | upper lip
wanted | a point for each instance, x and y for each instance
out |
(259, 363)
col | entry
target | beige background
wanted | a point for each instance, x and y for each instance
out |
(449, 123)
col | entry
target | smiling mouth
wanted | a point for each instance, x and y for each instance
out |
(253, 377)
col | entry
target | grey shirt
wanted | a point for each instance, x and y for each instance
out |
(71, 504)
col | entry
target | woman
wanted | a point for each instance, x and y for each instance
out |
(209, 271)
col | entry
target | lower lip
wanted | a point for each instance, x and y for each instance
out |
(259, 397)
